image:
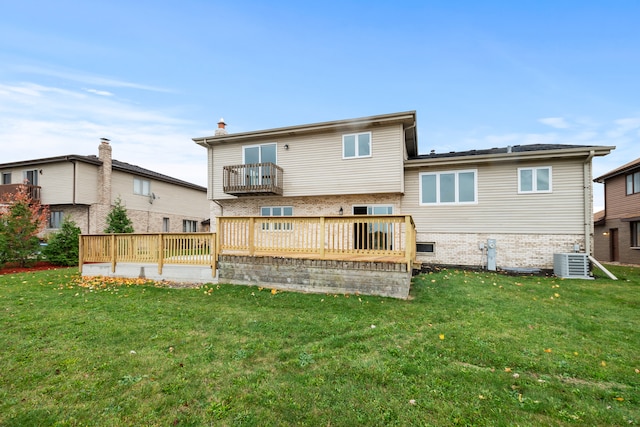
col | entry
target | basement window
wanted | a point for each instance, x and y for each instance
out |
(426, 248)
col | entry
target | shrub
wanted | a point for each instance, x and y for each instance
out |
(62, 248)
(117, 220)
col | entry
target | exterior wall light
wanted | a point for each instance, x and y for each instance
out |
(341, 211)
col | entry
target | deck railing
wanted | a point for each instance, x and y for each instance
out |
(163, 248)
(379, 237)
(32, 190)
(255, 178)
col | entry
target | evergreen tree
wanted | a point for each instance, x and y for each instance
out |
(63, 245)
(117, 220)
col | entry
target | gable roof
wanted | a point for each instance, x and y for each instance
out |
(115, 165)
(407, 118)
(529, 151)
(634, 164)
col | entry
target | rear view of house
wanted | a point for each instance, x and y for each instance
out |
(509, 207)
(617, 228)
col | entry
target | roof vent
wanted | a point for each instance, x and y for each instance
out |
(221, 128)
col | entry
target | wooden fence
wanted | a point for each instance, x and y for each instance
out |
(389, 238)
(386, 238)
(163, 248)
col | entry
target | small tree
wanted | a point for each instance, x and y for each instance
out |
(63, 245)
(117, 220)
(21, 219)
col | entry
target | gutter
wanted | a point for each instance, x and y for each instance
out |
(588, 201)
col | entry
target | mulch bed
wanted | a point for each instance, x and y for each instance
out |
(38, 266)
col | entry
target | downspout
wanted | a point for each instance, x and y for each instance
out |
(73, 190)
(588, 201)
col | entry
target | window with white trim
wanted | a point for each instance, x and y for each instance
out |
(55, 219)
(30, 177)
(6, 178)
(356, 145)
(189, 226)
(534, 180)
(166, 225)
(276, 211)
(450, 187)
(141, 186)
(633, 183)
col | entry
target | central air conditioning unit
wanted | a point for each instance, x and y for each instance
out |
(571, 266)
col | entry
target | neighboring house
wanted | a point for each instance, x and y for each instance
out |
(617, 228)
(85, 189)
(534, 200)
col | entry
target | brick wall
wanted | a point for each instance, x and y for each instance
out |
(512, 250)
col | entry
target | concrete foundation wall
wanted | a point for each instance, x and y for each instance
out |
(172, 273)
(317, 276)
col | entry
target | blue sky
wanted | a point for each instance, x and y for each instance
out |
(151, 75)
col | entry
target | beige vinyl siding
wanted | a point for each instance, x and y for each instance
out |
(56, 182)
(499, 208)
(170, 198)
(313, 164)
(86, 183)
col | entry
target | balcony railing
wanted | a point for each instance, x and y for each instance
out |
(252, 179)
(8, 189)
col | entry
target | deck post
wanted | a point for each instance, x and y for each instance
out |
(322, 237)
(214, 254)
(113, 253)
(160, 253)
(80, 253)
(252, 223)
(409, 241)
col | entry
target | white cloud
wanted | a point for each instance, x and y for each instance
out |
(555, 122)
(99, 92)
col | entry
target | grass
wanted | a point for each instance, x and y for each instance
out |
(469, 348)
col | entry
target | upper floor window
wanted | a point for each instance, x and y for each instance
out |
(55, 219)
(356, 145)
(633, 183)
(141, 186)
(6, 178)
(455, 187)
(189, 226)
(534, 180)
(31, 177)
(264, 153)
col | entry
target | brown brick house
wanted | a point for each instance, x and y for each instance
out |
(617, 228)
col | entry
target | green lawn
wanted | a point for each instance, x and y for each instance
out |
(468, 349)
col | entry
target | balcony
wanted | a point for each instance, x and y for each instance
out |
(32, 190)
(253, 179)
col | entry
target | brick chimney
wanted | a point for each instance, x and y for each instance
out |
(104, 173)
(221, 128)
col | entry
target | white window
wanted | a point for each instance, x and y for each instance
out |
(141, 186)
(356, 145)
(31, 177)
(277, 211)
(189, 226)
(165, 225)
(55, 219)
(454, 187)
(534, 180)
